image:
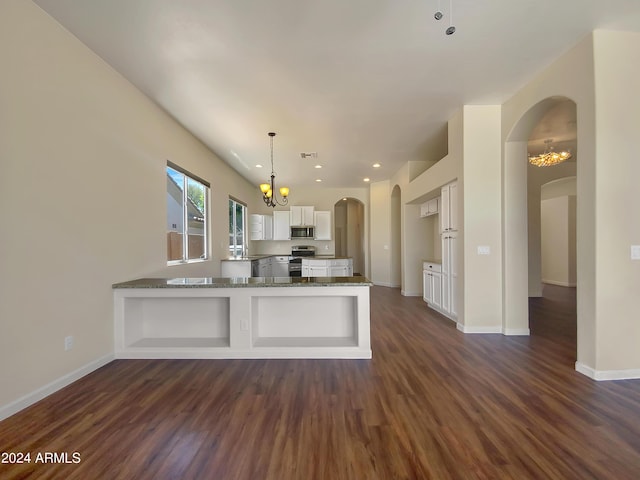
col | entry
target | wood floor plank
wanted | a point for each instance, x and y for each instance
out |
(433, 403)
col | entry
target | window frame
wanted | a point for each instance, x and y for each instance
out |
(188, 176)
(245, 246)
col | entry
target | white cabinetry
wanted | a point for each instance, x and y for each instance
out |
(449, 208)
(301, 216)
(449, 273)
(429, 207)
(281, 230)
(261, 227)
(342, 267)
(432, 284)
(322, 221)
(336, 267)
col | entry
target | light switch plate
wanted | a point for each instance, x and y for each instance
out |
(484, 250)
(635, 252)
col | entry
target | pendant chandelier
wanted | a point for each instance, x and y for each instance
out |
(549, 157)
(269, 189)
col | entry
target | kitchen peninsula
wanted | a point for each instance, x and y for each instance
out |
(254, 317)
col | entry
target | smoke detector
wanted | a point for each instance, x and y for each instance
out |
(304, 155)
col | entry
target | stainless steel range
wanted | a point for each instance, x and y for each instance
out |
(297, 253)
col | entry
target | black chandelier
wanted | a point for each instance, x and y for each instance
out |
(268, 189)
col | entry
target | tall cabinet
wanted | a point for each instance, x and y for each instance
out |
(449, 237)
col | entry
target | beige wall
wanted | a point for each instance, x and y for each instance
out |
(380, 233)
(571, 76)
(617, 303)
(481, 198)
(537, 179)
(82, 198)
(557, 218)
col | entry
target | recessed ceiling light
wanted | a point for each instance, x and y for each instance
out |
(376, 165)
(318, 166)
(318, 180)
(258, 166)
(366, 179)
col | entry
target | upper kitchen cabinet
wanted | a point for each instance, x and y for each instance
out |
(323, 225)
(430, 207)
(261, 227)
(281, 226)
(449, 208)
(301, 216)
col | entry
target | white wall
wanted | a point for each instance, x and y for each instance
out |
(82, 198)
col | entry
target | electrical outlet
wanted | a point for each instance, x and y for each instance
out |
(68, 342)
(484, 250)
(635, 252)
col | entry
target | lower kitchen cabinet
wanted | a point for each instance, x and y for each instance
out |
(335, 267)
(432, 284)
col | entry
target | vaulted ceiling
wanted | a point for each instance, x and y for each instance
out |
(356, 82)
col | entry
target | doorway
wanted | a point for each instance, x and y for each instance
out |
(349, 232)
(550, 122)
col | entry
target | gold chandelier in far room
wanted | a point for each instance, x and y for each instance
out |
(269, 189)
(549, 157)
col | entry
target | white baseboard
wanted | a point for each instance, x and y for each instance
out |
(599, 375)
(516, 331)
(487, 329)
(37, 395)
(410, 294)
(560, 284)
(384, 284)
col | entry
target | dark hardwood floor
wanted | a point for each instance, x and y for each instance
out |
(433, 403)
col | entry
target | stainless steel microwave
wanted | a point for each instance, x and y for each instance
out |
(302, 232)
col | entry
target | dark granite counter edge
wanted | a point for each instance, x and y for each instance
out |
(245, 282)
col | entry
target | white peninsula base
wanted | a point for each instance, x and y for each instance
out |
(242, 318)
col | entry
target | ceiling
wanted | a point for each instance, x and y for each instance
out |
(356, 81)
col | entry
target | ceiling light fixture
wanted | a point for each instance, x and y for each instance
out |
(549, 157)
(439, 15)
(318, 166)
(366, 179)
(376, 165)
(268, 189)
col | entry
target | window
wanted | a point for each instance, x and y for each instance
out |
(237, 227)
(187, 224)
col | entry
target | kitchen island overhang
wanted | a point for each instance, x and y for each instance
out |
(242, 317)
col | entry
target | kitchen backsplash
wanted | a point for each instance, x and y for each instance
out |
(275, 247)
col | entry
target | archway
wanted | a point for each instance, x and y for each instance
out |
(521, 210)
(349, 232)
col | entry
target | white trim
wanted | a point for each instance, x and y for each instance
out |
(410, 294)
(487, 329)
(560, 284)
(37, 395)
(384, 284)
(630, 374)
(516, 331)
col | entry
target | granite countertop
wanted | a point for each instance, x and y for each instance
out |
(244, 282)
